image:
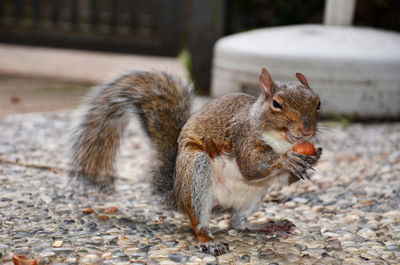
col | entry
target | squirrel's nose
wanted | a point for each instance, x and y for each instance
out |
(306, 133)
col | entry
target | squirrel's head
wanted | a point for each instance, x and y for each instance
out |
(291, 108)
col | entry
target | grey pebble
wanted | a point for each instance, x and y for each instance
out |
(178, 257)
(4, 246)
(171, 244)
(301, 200)
(62, 250)
(111, 261)
(393, 247)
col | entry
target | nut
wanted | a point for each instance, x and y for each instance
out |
(305, 148)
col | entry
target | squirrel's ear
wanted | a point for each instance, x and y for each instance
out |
(302, 79)
(266, 83)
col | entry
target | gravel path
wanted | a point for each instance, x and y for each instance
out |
(347, 214)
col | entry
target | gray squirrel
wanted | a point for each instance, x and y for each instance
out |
(226, 154)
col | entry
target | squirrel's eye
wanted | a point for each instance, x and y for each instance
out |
(319, 105)
(276, 105)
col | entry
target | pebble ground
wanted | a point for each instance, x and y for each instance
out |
(347, 214)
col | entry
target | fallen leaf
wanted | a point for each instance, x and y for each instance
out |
(103, 217)
(111, 210)
(368, 202)
(87, 210)
(23, 260)
(57, 243)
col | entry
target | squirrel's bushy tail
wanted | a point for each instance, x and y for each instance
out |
(160, 101)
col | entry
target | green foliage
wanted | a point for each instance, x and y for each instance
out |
(344, 120)
(185, 59)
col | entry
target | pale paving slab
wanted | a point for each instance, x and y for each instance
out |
(79, 65)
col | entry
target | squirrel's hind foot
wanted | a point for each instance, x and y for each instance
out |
(214, 248)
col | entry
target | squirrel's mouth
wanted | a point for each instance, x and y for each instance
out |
(292, 138)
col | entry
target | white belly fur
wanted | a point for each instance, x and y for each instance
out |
(231, 190)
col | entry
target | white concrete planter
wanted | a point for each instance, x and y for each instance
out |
(355, 70)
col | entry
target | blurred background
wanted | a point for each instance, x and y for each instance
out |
(52, 51)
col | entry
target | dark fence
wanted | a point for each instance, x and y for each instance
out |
(151, 26)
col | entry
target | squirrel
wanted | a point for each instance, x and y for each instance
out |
(226, 154)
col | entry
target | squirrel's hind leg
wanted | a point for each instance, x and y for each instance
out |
(193, 191)
(192, 186)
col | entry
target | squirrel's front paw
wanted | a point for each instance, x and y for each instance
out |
(312, 160)
(214, 248)
(298, 163)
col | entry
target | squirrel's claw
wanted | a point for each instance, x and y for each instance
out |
(214, 248)
(298, 171)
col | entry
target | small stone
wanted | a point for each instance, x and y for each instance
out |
(245, 258)
(367, 233)
(178, 257)
(171, 244)
(300, 200)
(127, 222)
(64, 250)
(22, 235)
(366, 256)
(352, 261)
(113, 261)
(393, 214)
(333, 244)
(393, 247)
(387, 255)
(91, 226)
(290, 204)
(107, 255)
(131, 251)
(3, 246)
(228, 258)
(167, 262)
(209, 259)
(47, 254)
(113, 231)
(138, 262)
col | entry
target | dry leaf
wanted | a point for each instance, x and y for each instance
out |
(87, 210)
(111, 210)
(23, 260)
(368, 202)
(57, 243)
(103, 217)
